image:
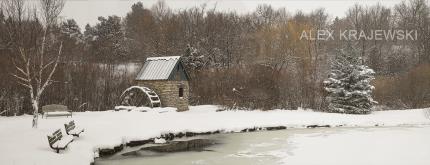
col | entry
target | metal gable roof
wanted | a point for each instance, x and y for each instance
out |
(158, 68)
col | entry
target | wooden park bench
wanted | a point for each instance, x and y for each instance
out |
(56, 110)
(71, 129)
(57, 142)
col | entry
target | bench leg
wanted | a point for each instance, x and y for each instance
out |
(58, 150)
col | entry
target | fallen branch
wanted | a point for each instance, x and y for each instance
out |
(1, 113)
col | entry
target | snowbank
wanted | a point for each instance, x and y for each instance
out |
(21, 144)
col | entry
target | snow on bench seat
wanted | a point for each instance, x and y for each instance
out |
(71, 129)
(59, 113)
(63, 142)
(59, 142)
(56, 110)
(77, 130)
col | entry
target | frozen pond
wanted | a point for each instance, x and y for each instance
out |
(370, 146)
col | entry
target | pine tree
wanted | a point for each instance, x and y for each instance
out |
(70, 30)
(348, 86)
(107, 39)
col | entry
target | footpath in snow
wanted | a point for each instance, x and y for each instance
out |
(21, 144)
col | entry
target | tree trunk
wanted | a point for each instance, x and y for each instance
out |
(35, 105)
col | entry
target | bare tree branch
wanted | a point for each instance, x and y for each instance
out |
(49, 78)
(19, 69)
(20, 78)
(48, 64)
(50, 10)
(25, 85)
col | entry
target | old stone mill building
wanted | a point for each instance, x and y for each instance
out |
(167, 77)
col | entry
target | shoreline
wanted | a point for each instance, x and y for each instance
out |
(107, 152)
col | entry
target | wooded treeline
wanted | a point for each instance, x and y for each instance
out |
(254, 60)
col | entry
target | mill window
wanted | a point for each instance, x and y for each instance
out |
(181, 92)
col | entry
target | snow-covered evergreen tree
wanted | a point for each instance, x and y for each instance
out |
(192, 58)
(71, 30)
(348, 86)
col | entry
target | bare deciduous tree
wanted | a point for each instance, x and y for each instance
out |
(35, 64)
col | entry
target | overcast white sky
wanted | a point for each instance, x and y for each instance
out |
(87, 11)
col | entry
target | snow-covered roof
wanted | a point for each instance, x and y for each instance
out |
(158, 68)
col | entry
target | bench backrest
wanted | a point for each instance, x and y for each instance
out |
(57, 135)
(70, 126)
(54, 108)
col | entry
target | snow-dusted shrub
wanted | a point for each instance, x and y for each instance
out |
(348, 86)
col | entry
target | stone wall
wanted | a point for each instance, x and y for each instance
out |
(168, 91)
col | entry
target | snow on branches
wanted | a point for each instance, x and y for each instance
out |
(348, 86)
(192, 59)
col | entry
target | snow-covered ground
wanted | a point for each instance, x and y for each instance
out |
(374, 146)
(21, 144)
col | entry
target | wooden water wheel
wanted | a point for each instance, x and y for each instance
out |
(140, 96)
